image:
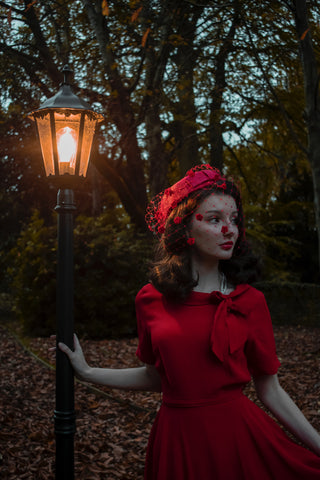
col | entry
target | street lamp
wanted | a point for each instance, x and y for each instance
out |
(66, 127)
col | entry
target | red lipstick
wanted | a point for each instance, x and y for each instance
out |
(226, 245)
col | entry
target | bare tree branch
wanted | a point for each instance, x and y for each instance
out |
(274, 94)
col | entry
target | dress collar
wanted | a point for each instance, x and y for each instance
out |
(202, 298)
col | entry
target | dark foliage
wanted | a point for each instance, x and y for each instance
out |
(110, 267)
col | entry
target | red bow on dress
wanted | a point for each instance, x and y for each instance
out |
(226, 333)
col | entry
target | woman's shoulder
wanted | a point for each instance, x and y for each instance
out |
(148, 293)
(249, 296)
(247, 290)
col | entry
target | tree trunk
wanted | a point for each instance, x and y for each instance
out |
(40, 43)
(185, 114)
(120, 110)
(215, 127)
(132, 207)
(156, 62)
(158, 158)
(312, 111)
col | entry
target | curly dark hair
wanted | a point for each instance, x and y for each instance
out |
(171, 272)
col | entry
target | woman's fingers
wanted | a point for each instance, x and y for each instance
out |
(76, 341)
(76, 357)
(64, 348)
(52, 349)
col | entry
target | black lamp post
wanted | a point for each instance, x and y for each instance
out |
(66, 127)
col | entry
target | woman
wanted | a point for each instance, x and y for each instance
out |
(203, 333)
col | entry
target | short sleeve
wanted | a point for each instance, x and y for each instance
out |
(144, 308)
(261, 349)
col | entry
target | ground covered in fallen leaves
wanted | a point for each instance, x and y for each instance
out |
(112, 426)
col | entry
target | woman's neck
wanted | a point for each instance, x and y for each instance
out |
(207, 273)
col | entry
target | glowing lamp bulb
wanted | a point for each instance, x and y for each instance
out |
(67, 146)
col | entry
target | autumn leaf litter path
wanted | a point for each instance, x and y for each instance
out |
(91, 388)
(112, 431)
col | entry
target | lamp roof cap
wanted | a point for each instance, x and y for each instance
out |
(66, 99)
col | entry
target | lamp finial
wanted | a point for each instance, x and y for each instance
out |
(67, 72)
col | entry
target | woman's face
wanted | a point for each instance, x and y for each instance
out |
(214, 227)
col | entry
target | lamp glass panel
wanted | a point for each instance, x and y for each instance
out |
(67, 135)
(88, 133)
(44, 131)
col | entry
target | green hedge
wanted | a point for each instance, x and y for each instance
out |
(292, 303)
(111, 264)
(32, 264)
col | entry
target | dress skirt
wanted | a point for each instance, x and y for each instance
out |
(233, 440)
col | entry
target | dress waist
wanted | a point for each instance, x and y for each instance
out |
(219, 399)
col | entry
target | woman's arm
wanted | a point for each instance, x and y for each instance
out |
(140, 378)
(286, 411)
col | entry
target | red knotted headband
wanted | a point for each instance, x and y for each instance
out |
(159, 209)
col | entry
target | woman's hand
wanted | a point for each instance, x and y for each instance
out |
(77, 359)
(144, 378)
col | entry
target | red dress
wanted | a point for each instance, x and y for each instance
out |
(206, 351)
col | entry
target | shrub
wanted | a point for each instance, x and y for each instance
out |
(32, 269)
(110, 267)
(292, 303)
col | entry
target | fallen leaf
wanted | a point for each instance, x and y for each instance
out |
(145, 37)
(105, 8)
